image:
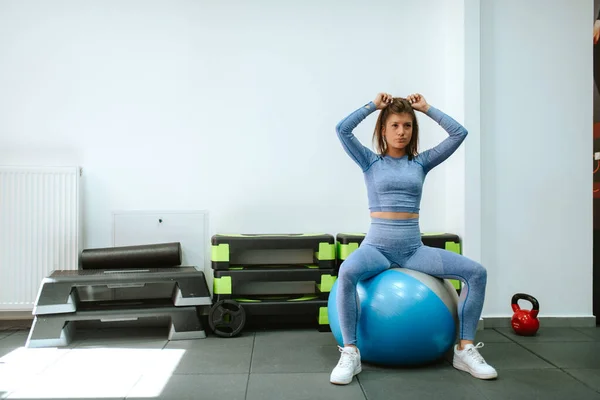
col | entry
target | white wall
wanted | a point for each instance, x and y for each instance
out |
(454, 167)
(188, 105)
(223, 106)
(536, 148)
(472, 148)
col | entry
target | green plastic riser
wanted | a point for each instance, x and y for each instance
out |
(346, 249)
(326, 252)
(222, 285)
(326, 284)
(220, 253)
(323, 316)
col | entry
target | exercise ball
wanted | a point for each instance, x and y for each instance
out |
(405, 317)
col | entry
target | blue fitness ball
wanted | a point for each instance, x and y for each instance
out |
(405, 317)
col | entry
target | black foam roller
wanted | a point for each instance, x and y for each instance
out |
(160, 255)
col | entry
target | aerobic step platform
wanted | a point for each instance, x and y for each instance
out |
(235, 282)
(64, 289)
(287, 305)
(346, 243)
(269, 291)
(227, 317)
(265, 249)
(57, 330)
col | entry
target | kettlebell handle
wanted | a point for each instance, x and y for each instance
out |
(529, 298)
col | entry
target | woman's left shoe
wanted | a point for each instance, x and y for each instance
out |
(469, 360)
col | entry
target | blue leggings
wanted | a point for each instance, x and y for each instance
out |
(398, 243)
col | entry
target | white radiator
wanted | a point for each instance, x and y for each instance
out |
(39, 229)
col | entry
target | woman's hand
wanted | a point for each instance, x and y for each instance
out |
(382, 100)
(417, 101)
(596, 31)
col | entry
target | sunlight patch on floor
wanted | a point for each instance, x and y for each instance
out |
(86, 373)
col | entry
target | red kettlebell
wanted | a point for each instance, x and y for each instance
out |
(525, 322)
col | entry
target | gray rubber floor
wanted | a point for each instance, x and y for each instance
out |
(559, 363)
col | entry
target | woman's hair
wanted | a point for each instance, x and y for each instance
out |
(398, 106)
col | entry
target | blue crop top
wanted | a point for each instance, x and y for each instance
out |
(396, 184)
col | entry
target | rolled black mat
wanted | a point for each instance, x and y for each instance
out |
(160, 255)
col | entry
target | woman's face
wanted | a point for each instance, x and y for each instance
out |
(398, 130)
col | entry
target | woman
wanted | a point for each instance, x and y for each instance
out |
(394, 179)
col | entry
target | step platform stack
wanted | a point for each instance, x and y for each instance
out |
(287, 276)
(346, 243)
(125, 285)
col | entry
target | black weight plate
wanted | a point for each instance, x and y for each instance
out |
(227, 318)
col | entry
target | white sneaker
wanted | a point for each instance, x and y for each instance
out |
(347, 367)
(469, 360)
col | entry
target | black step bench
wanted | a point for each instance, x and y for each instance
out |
(58, 330)
(59, 292)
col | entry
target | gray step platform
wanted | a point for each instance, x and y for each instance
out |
(58, 330)
(63, 289)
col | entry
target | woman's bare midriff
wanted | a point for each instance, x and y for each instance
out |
(393, 215)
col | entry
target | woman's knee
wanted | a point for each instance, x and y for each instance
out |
(480, 273)
(348, 274)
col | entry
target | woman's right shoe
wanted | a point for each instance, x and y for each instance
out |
(347, 367)
(469, 360)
